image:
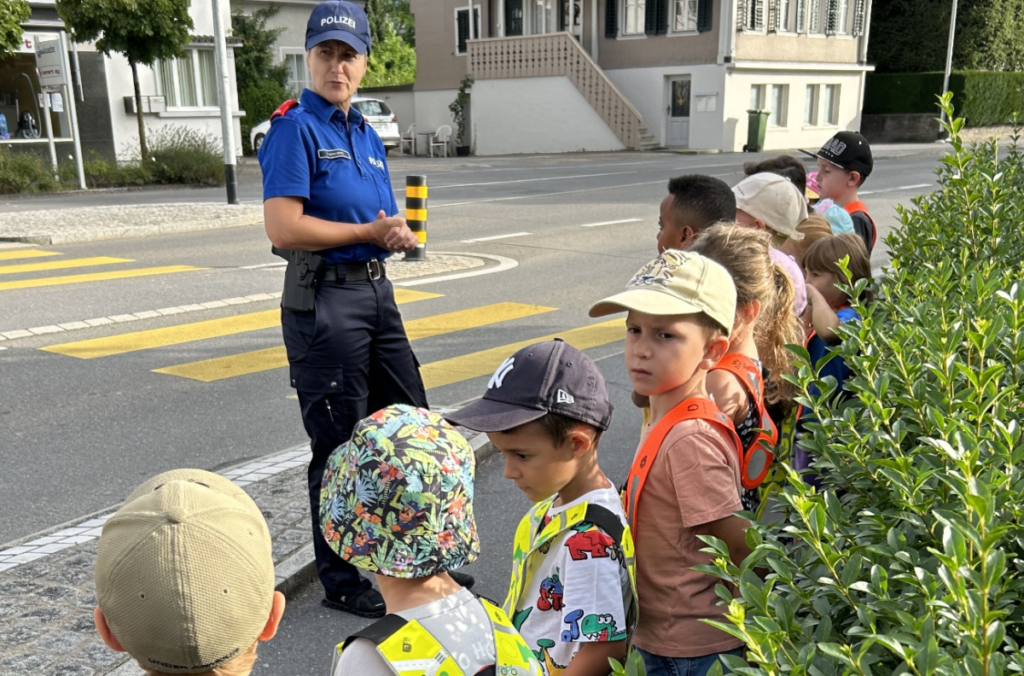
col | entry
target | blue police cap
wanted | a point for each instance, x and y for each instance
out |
(339, 20)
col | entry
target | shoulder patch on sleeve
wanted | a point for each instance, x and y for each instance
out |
(284, 108)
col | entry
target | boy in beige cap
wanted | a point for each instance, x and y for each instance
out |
(185, 577)
(685, 478)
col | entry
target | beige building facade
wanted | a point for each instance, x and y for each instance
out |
(674, 73)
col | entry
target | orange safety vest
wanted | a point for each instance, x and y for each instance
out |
(858, 206)
(696, 408)
(756, 459)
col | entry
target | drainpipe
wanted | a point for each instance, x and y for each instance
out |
(727, 32)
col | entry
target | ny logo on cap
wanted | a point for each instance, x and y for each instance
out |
(499, 376)
(835, 147)
(563, 397)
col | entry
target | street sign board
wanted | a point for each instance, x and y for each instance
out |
(49, 63)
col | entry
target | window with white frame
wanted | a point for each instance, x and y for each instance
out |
(298, 74)
(684, 16)
(801, 16)
(842, 23)
(757, 97)
(783, 18)
(753, 15)
(815, 20)
(831, 106)
(190, 80)
(778, 105)
(467, 26)
(811, 105)
(633, 15)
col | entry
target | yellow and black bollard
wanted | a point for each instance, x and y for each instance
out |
(416, 215)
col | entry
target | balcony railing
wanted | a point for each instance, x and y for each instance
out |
(557, 54)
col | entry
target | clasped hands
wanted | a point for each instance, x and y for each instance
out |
(392, 233)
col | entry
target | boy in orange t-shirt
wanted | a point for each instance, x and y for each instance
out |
(685, 480)
(844, 163)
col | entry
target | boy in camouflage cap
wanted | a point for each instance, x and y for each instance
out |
(397, 501)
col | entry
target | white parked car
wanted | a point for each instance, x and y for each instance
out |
(375, 111)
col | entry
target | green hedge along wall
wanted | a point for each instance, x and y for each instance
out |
(982, 97)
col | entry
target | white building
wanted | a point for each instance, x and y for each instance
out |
(567, 75)
(181, 91)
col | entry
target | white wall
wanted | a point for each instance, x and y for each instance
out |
(559, 121)
(647, 90)
(402, 104)
(796, 133)
(431, 111)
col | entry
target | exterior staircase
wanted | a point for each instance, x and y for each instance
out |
(559, 54)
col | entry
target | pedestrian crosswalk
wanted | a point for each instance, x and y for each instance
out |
(56, 262)
(240, 364)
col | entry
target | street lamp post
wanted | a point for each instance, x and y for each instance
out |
(223, 93)
(949, 59)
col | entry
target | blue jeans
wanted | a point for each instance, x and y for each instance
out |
(683, 666)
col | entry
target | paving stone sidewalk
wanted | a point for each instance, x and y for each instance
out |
(47, 592)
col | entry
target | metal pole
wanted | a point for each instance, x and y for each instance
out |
(73, 115)
(949, 58)
(223, 93)
(416, 215)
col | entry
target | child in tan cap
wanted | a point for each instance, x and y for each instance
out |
(185, 577)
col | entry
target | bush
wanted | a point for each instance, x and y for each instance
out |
(24, 172)
(984, 98)
(910, 559)
(185, 155)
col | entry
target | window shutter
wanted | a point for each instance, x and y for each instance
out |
(651, 17)
(814, 22)
(773, 16)
(859, 11)
(832, 17)
(560, 5)
(662, 16)
(801, 16)
(741, 15)
(759, 15)
(462, 28)
(611, 20)
(704, 11)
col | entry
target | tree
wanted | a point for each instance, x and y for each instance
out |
(910, 36)
(261, 82)
(144, 31)
(394, 13)
(392, 59)
(12, 13)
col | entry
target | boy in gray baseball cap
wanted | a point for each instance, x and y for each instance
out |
(572, 594)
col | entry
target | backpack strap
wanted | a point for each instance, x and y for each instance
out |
(605, 519)
(746, 371)
(757, 458)
(859, 207)
(379, 631)
(283, 108)
(695, 408)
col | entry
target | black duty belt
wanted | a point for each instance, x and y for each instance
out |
(354, 272)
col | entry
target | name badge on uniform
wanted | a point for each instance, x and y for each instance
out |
(333, 154)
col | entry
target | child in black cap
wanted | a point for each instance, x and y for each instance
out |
(844, 163)
(572, 594)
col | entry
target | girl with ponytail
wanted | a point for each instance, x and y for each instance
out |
(749, 377)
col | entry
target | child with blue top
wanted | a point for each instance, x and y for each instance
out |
(828, 307)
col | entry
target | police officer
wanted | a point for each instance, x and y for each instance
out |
(326, 189)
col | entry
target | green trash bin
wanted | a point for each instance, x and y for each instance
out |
(757, 124)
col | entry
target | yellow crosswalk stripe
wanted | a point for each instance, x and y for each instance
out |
(95, 277)
(483, 363)
(187, 333)
(220, 368)
(26, 253)
(60, 265)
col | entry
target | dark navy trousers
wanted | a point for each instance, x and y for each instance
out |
(348, 358)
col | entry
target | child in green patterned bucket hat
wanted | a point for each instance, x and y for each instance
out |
(397, 501)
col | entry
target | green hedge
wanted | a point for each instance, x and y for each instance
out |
(910, 559)
(982, 97)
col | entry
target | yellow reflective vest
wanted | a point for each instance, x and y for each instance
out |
(411, 650)
(532, 534)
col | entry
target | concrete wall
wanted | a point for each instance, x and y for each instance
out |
(657, 50)
(795, 134)
(291, 17)
(432, 110)
(915, 128)
(560, 119)
(647, 90)
(401, 101)
(792, 47)
(437, 64)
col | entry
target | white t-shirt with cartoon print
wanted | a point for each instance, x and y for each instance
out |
(576, 589)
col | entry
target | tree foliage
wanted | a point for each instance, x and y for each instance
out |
(261, 82)
(392, 59)
(910, 36)
(910, 558)
(12, 13)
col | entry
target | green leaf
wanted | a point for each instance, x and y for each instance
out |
(927, 658)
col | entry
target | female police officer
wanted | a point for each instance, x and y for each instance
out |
(326, 189)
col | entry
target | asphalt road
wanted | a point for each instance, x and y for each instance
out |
(76, 435)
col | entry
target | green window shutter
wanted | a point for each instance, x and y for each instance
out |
(704, 10)
(611, 19)
(662, 16)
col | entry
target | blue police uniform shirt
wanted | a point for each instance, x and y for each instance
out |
(335, 163)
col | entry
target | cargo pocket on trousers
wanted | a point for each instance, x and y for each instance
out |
(318, 380)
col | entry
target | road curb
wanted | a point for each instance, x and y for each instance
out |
(298, 570)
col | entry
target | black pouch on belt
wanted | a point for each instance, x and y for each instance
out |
(304, 270)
